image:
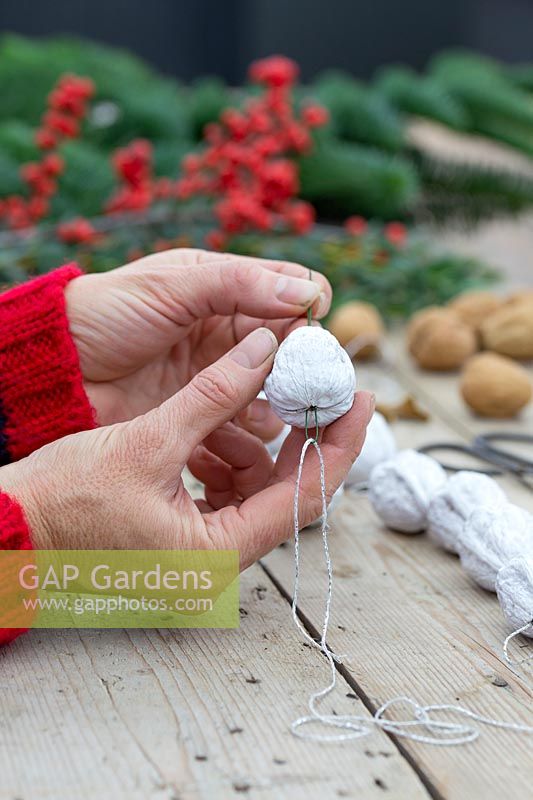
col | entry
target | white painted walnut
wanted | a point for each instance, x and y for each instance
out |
(491, 538)
(400, 489)
(452, 505)
(311, 371)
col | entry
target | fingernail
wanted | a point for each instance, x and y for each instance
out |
(255, 349)
(296, 290)
(323, 305)
(371, 407)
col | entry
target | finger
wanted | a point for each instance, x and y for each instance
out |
(210, 470)
(213, 397)
(185, 256)
(266, 519)
(226, 287)
(296, 271)
(250, 462)
(260, 420)
(216, 476)
(321, 306)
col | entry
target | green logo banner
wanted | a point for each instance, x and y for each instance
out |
(119, 589)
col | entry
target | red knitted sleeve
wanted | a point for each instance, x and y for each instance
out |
(14, 535)
(41, 390)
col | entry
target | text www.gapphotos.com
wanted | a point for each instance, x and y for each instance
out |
(118, 604)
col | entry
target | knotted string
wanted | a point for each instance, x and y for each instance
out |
(437, 732)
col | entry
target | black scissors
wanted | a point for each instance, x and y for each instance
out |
(484, 447)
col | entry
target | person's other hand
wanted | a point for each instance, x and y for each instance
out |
(120, 486)
(144, 330)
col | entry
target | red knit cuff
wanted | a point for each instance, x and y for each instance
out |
(14, 535)
(41, 389)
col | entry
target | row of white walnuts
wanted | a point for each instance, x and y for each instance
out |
(468, 514)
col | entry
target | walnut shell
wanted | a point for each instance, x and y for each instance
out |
(311, 371)
(520, 296)
(495, 386)
(474, 307)
(356, 319)
(420, 319)
(509, 331)
(439, 340)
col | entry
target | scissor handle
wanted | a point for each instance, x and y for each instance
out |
(460, 448)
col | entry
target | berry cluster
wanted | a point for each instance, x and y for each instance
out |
(138, 188)
(246, 165)
(133, 168)
(67, 104)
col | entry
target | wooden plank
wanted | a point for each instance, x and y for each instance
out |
(181, 714)
(413, 623)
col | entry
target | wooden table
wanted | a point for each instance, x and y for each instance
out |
(206, 714)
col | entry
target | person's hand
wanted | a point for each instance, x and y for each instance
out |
(120, 486)
(144, 330)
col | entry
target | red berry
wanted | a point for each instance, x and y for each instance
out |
(17, 215)
(62, 124)
(45, 187)
(355, 225)
(315, 116)
(45, 139)
(77, 231)
(274, 71)
(53, 165)
(300, 216)
(191, 163)
(298, 138)
(235, 122)
(396, 233)
(38, 208)
(31, 173)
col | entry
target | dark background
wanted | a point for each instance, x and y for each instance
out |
(187, 38)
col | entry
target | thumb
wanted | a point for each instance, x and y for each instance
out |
(213, 397)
